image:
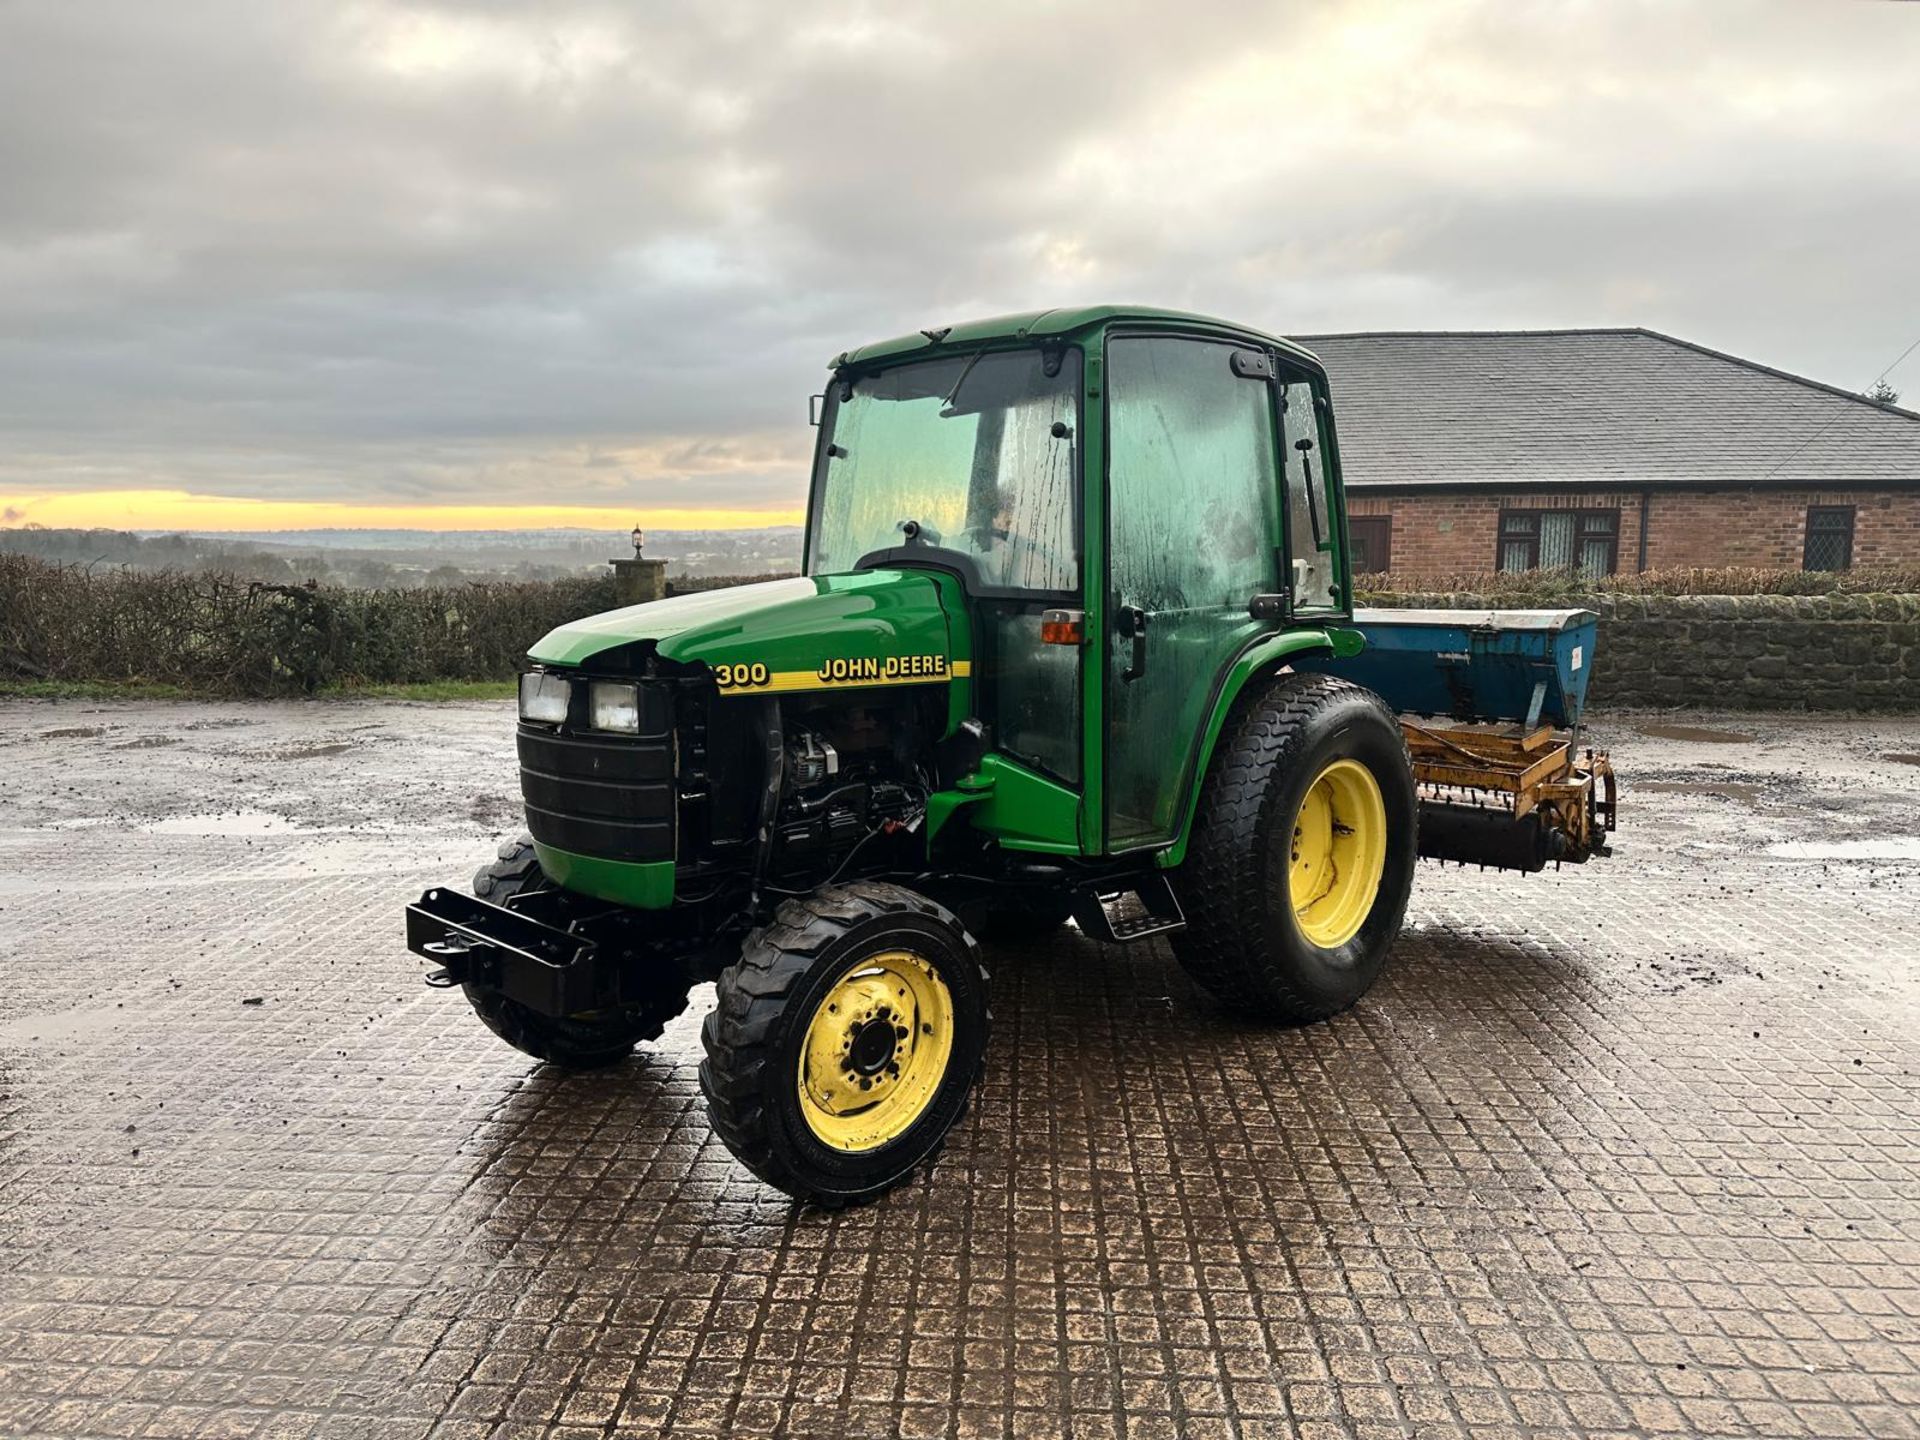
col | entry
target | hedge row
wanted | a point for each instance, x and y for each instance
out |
(214, 632)
(220, 633)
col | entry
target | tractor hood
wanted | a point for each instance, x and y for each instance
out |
(827, 632)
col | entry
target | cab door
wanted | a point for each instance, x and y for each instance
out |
(1193, 534)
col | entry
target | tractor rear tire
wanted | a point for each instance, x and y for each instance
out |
(572, 1042)
(1296, 879)
(846, 1041)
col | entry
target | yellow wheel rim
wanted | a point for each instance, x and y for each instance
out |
(875, 1051)
(1339, 853)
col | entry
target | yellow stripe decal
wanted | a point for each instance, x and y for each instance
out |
(851, 675)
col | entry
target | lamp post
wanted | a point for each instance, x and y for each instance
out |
(636, 578)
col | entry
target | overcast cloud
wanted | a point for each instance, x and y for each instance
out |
(599, 253)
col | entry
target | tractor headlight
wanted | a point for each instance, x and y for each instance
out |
(614, 707)
(543, 697)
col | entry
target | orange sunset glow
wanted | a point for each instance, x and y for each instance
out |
(183, 510)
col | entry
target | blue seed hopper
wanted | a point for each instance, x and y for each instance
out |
(1488, 665)
(1490, 702)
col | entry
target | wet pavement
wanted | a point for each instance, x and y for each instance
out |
(1632, 1149)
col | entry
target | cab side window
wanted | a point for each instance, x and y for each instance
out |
(1311, 517)
(1192, 476)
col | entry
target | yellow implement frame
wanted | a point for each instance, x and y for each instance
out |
(1520, 769)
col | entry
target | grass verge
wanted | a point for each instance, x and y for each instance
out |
(425, 690)
(89, 690)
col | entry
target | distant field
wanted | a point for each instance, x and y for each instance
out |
(380, 559)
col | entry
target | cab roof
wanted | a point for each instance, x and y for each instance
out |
(1052, 324)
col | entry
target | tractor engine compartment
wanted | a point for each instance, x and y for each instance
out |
(786, 787)
(848, 774)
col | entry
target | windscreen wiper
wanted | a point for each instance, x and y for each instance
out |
(1313, 510)
(946, 404)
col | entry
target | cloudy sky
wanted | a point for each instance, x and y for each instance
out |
(288, 262)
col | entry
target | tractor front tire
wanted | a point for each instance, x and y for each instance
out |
(1296, 879)
(846, 1041)
(572, 1042)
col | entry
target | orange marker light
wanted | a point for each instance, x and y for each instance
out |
(1063, 627)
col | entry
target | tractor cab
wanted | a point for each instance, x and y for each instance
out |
(1126, 500)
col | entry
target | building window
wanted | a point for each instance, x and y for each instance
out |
(1829, 538)
(1583, 540)
(1372, 539)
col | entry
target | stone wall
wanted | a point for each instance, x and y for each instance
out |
(1744, 652)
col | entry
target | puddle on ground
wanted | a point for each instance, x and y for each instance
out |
(75, 732)
(1899, 758)
(148, 742)
(239, 822)
(70, 1025)
(311, 752)
(1727, 789)
(1699, 734)
(1884, 847)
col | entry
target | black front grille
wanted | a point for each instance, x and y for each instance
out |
(611, 797)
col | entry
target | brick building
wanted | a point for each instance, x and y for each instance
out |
(1612, 450)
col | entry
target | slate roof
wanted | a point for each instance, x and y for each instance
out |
(1597, 407)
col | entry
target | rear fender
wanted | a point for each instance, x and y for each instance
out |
(1262, 659)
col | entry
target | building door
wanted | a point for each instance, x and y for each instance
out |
(1193, 535)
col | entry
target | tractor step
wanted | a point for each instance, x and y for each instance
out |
(1122, 914)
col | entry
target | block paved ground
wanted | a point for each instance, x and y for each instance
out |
(1627, 1150)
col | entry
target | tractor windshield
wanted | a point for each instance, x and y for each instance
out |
(972, 455)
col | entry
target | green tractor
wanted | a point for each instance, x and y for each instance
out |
(1075, 582)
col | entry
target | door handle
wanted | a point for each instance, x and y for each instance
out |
(1133, 623)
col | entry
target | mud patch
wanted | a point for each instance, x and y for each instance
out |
(75, 732)
(148, 742)
(1710, 778)
(1678, 973)
(492, 811)
(1901, 757)
(1696, 734)
(313, 752)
